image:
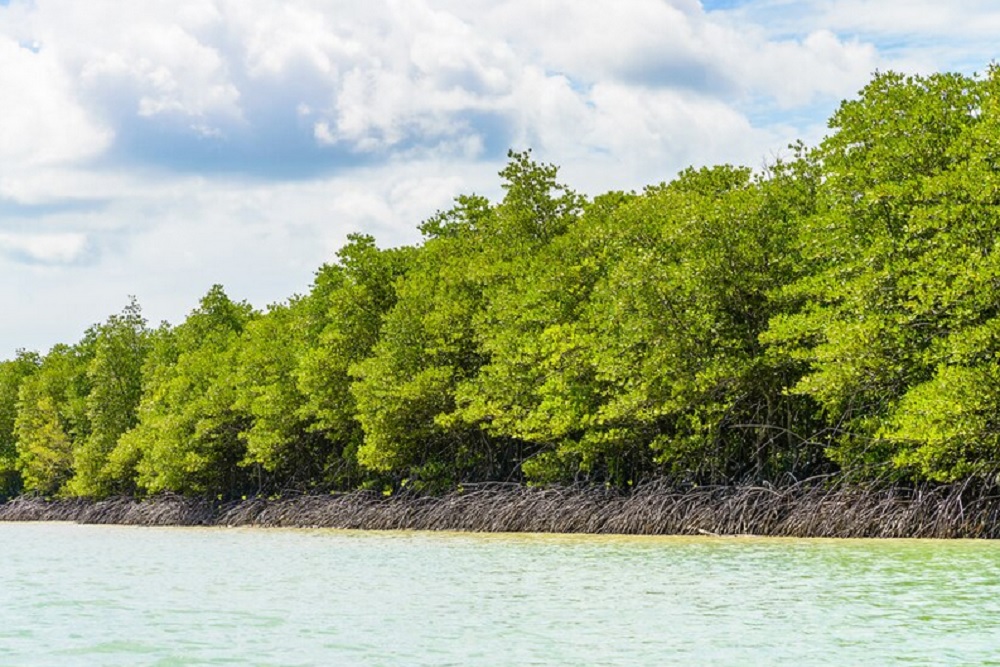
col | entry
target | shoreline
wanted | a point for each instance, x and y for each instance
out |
(963, 510)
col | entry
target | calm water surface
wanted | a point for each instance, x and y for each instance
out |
(89, 595)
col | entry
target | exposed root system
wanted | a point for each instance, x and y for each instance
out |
(816, 508)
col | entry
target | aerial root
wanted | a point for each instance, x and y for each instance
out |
(821, 507)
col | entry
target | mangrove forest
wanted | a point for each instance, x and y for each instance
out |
(834, 314)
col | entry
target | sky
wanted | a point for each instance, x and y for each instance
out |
(157, 148)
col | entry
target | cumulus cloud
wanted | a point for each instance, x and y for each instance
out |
(325, 82)
(43, 123)
(919, 36)
(154, 148)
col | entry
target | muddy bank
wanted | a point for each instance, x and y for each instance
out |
(971, 509)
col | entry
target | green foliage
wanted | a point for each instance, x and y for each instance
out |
(120, 346)
(538, 385)
(265, 389)
(406, 391)
(631, 341)
(12, 375)
(188, 435)
(352, 296)
(947, 428)
(899, 314)
(424, 343)
(837, 310)
(675, 325)
(292, 374)
(52, 417)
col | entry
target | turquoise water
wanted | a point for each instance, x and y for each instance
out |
(91, 595)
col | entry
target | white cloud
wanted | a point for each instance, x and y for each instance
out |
(42, 122)
(965, 19)
(134, 59)
(391, 75)
(44, 248)
(795, 72)
(158, 147)
(673, 45)
(279, 37)
(164, 68)
(918, 36)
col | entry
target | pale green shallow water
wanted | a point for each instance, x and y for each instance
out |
(89, 595)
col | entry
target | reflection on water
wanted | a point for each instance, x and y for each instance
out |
(89, 595)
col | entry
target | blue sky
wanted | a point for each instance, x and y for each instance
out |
(156, 148)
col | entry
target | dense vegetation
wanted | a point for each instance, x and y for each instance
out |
(839, 312)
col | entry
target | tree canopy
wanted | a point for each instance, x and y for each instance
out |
(835, 312)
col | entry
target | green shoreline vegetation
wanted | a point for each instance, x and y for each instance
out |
(836, 315)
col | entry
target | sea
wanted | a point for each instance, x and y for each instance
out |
(110, 595)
